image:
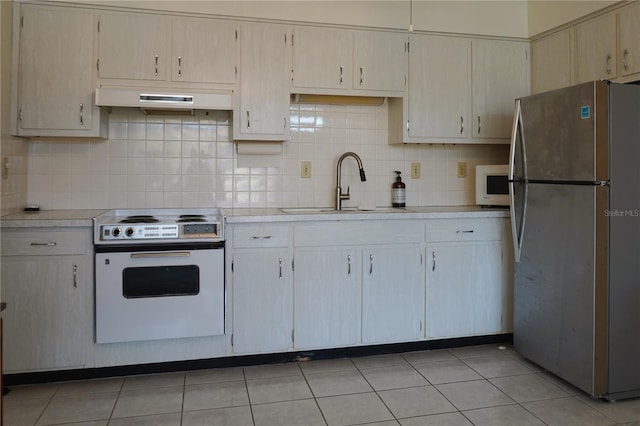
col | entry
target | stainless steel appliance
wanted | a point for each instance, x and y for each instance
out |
(159, 274)
(575, 207)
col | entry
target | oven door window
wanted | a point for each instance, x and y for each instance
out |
(160, 281)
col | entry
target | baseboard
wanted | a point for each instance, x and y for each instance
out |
(246, 360)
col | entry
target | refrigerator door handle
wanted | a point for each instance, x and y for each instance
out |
(517, 217)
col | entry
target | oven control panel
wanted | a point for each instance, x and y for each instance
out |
(159, 231)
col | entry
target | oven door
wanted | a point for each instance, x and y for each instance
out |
(147, 292)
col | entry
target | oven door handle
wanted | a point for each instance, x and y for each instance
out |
(160, 254)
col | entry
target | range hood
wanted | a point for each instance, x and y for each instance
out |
(149, 99)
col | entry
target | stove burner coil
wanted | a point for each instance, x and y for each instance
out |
(139, 219)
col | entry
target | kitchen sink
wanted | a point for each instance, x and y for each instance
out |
(315, 210)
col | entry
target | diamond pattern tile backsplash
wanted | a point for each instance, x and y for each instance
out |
(191, 161)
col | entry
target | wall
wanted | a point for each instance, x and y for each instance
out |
(13, 186)
(170, 161)
(490, 17)
(543, 15)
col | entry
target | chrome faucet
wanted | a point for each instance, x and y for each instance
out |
(339, 195)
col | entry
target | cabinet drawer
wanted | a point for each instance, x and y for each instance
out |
(358, 233)
(445, 230)
(44, 243)
(266, 235)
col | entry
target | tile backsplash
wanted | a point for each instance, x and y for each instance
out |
(191, 161)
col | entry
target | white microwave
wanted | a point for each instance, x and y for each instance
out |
(492, 187)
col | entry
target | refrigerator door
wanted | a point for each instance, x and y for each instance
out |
(560, 133)
(624, 226)
(554, 294)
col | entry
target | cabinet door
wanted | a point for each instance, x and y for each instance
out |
(439, 87)
(133, 46)
(48, 323)
(393, 294)
(629, 36)
(203, 51)
(261, 301)
(56, 69)
(380, 61)
(265, 67)
(327, 302)
(551, 64)
(322, 58)
(596, 49)
(464, 290)
(500, 75)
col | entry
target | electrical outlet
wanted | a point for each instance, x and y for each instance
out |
(305, 169)
(462, 169)
(415, 170)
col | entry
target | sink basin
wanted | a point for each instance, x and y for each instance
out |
(312, 210)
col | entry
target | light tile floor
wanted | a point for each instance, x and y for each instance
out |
(473, 385)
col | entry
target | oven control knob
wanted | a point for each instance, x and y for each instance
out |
(115, 232)
(129, 232)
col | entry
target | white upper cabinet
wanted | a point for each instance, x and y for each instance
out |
(167, 49)
(439, 93)
(262, 107)
(322, 59)
(629, 40)
(203, 50)
(551, 64)
(500, 75)
(54, 73)
(460, 90)
(596, 49)
(380, 61)
(133, 46)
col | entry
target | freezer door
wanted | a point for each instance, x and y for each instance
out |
(555, 282)
(560, 132)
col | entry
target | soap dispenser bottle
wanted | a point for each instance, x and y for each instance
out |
(398, 192)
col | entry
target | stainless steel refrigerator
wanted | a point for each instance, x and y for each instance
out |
(574, 181)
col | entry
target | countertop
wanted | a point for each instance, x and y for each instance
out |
(83, 218)
(50, 218)
(436, 212)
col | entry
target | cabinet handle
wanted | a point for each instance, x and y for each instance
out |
(407, 125)
(261, 237)
(50, 244)
(348, 264)
(464, 232)
(280, 268)
(75, 276)
(625, 63)
(248, 121)
(479, 125)
(433, 263)
(461, 125)
(341, 75)
(361, 77)
(81, 114)
(370, 264)
(156, 72)
(179, 66)
(608, 63)
(284, 122)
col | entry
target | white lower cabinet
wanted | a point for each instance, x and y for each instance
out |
(467, 292)
(48, 287)
(392, 294)
(327, 297)
(261, 277)
(352, 286)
